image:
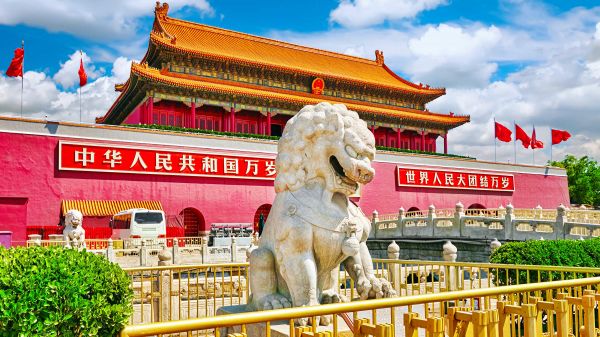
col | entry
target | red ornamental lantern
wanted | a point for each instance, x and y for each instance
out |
(318, 85)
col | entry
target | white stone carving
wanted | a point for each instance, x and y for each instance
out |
(324, 154)
(74, 234)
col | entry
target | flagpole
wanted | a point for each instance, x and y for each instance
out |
(532, 148)
(22, 75)
(495, 141)
(81, 54)
(515, 142)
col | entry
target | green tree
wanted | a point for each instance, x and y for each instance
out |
(584, 179)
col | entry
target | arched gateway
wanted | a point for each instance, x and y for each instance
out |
(193, 222)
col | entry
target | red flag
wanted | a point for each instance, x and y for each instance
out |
(559, 136)
(82, 74)
(536, 144)
(521, 135)
(15, 68)
(502, 132)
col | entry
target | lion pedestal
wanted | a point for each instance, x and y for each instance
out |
(323, 156)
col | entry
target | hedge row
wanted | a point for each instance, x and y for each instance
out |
(571, 253)
(61, 292)
(257, 136)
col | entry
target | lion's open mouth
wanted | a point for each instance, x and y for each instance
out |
(341, 177)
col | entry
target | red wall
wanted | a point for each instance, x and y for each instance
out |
(383, 194)
(31, 189)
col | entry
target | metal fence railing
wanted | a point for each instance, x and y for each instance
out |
(558, 308)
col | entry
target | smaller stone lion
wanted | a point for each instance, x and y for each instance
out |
(74, 234)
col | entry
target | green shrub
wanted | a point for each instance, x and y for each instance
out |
(61, 292)
(572, 253)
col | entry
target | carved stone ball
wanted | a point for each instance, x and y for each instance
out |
(393, 248)
(351, 246)
(495, 244)
(164, 257)
(449, 248)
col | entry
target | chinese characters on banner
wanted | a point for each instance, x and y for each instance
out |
(140, 160)
(417, 177)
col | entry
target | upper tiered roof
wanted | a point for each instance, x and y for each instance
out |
(207, 41)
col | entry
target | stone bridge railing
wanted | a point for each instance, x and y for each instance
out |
(501, 223)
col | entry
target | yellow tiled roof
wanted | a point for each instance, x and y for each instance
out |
(222, 86)
(107, 207)
(194, 38)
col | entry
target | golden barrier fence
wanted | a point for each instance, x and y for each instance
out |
(558, 308)
(169, 293)
(413, 277)
(183, 292)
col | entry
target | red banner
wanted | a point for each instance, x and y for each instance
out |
(416, 177)
(143, 160)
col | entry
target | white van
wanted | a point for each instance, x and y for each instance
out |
(139, 223)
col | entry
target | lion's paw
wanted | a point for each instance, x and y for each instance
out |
(275, 301)
(331, 296)
(381, 288)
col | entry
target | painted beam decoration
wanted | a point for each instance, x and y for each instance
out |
(100, 157)
(465, 180)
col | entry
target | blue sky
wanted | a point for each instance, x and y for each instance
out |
(531, 61)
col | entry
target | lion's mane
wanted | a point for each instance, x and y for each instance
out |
(323, 123)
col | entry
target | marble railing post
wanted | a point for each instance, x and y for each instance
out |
(559, 226)
(393, 253)
(430, 215)
(495, 244)
(233, 249)
(508, 221)
(176, 255)
(374, 221)
(401, 220)
(450, 253)
(459, 213)
(143, 254)
(204, 248)
(110, 251)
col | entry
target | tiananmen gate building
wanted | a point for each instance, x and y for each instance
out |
(154, 148)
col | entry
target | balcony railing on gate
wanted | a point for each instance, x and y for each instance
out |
(558, 308)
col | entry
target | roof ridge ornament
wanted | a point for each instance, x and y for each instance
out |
(379, 57)
(161, 11)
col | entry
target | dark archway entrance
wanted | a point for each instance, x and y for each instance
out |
(264, 211)
(476, 206)
(193, 222)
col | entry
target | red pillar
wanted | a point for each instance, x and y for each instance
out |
(446, 143)
(268, 123)
(422, 140)
(399, 138)
(193, 116)
(260, 124)
(150, 111)
(372, 129)
(232, 116)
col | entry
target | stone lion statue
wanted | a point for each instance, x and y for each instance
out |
(325, 152)
(74, 234)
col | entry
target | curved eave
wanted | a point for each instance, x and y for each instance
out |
(129, 98)
(245, 90)
(430, 93)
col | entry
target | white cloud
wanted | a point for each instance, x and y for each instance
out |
(365, 13)
(96, 20)
(44, 98)
(454, 56)
(554, 63)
